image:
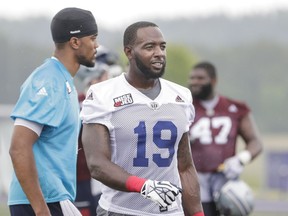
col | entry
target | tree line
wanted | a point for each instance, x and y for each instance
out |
(250, 54)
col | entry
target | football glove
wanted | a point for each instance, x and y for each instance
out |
(232, 167)
(163, 193)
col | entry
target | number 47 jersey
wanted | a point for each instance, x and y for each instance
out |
(214, 133)
(144, 136)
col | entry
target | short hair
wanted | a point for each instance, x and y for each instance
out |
(130, 33)
(208, 67)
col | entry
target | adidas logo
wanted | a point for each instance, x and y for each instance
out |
(232, 108)
(42, 91)
(179, 99)
(90, 96)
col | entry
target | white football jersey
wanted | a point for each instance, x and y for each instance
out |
(144, 136)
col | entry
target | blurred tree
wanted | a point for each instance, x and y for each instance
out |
(180, 59)
(250, 54)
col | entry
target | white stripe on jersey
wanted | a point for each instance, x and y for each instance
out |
(36, 127)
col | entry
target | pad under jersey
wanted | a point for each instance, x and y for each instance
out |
(214, 132)
(144, 136)
(48, 97)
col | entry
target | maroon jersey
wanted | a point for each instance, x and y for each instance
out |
(214, 132)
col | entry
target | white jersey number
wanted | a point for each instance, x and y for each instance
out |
(202, 130)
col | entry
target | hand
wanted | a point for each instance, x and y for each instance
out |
(161, 192)
(232, 167)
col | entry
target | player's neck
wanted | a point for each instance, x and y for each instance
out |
(140, 83)
(210, 103)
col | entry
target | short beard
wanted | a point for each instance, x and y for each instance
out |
(205, 92)
(148, 73)
(83, 61)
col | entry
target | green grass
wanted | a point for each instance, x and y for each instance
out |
(4, 210)
(268, 214)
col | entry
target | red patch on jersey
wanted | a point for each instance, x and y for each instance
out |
(123, 100)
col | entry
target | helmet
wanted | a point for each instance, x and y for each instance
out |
(106, 56)
(235, 199)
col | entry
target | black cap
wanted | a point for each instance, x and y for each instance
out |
(72, 22)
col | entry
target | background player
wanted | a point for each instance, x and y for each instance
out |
(218, 123)
(133, 141)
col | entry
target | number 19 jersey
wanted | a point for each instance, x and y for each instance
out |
(144, 137)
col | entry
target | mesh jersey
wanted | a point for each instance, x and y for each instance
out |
(49, 98)
(213, 135)
(144, 136)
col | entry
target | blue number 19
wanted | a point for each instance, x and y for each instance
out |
(141, 160)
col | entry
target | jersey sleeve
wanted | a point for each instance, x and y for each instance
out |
(40, 101)
(95, 110)
(243, 108)
(190, 110)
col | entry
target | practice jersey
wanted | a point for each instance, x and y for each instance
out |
(144, 137)
(48, 97)
(213, 134)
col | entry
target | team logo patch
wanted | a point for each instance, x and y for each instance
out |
(154, 105)
(179, 99)
(90, 96)
(42, 92)
(69, 90)
(232, 108)
(123, 100)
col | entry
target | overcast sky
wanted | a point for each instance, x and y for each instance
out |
(115, 13)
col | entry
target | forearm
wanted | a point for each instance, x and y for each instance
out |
(189, 179)
(25, 170)
(251, 136)
(254, 146)
(97, 148)
(109, 174)
(191, 192)
(21, 152)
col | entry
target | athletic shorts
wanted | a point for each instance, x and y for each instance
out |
(62, 208)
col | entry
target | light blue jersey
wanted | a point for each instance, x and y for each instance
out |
(49, 97)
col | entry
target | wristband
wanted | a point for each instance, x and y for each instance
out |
(134, 183)
(198, 214)
(244, 157)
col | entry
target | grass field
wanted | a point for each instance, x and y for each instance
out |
(255, 174)
(4, 211)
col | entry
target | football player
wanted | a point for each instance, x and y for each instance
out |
(135, 134)
(46, 121)
(219, 121)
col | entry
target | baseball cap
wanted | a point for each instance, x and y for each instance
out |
(72, 22)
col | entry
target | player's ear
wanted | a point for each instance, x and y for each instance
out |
(214, 81)
(74, 42)
(128, 51)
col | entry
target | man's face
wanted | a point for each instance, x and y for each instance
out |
(86, 53)
(200, 84)
(149, 52)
